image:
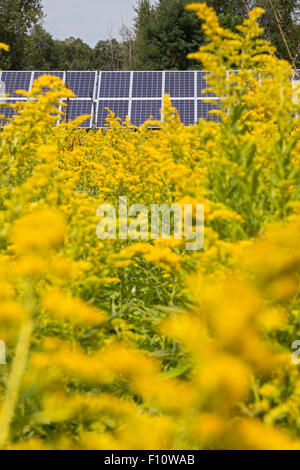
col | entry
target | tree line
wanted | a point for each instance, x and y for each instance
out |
(162, 36)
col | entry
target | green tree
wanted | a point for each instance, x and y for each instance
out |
(280, 21)
(17, 18)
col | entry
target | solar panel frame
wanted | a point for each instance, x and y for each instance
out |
(52, 73)
(95, 93)
(2, 88)
(163, 87)
(295, 79)
(131, 92)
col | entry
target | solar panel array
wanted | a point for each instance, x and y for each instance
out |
(8, 112)
(138, 95)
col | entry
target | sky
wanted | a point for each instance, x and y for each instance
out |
(90, 20)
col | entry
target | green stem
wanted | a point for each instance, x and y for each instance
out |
(14, 381)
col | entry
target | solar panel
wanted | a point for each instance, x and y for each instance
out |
(147, 85)
(114, 85)
(203, 85)
(119, 107)
(203, 109)
(79, 108)
(180, 84)
(231, 74)
(52, 74)
(82, 83)
(186, 110)
(16, 81)
(8, 112)
(142, 110)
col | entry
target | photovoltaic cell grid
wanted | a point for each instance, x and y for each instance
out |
(142, 110)
(119, 107)
(59, 74)
(79, 108)
(114, 85)
(58, 116)
(180, 84)
(7, 112)
(147, 85)
(82, 83)
(295, 79)
(16, 81)
(186, 110)
(204, 108)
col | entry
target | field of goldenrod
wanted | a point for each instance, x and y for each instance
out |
(120, 344)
